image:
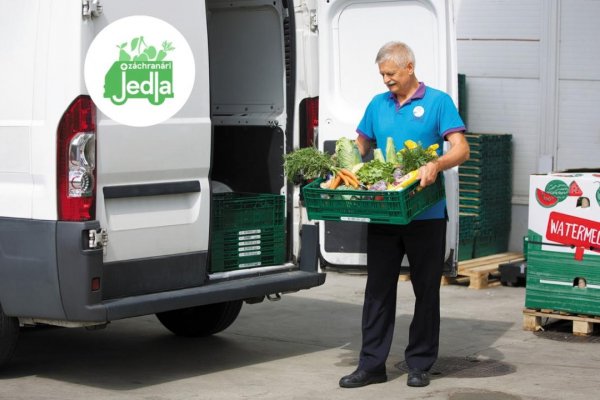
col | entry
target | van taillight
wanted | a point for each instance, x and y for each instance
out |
(76, 161)
(309, 110)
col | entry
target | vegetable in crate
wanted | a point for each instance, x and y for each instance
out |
(374, 171)
(413, 156)
(378, 155)
(346, 153)
(390, 151)
(379, 186)
(343, 177)
(306, 164)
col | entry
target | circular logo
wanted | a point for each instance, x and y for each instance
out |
(418, 111)
(139, 71)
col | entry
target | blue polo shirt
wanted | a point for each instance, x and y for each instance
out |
(427, 117)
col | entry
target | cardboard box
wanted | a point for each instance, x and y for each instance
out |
(564, 209)
(563, 247)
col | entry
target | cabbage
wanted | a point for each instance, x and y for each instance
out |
(347, 154)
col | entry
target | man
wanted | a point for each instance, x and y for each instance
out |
(410, 110)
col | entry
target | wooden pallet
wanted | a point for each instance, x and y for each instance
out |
(582, 325)
(482, 273)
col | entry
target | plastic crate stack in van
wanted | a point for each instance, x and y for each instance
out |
(485, 192)
(248, 231)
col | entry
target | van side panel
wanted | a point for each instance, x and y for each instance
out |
(57, 81)
(16, 85)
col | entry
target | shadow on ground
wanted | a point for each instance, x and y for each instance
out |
(139, 352)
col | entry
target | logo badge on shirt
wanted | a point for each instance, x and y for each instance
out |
(418, 111)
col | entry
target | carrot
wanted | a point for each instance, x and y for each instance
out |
(344, 178)
(335, 182)
(352, 179)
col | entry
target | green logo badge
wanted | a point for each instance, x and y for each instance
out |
(142, 74)
(147, 78)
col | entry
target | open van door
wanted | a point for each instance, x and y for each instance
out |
(153, 191)
(350, 34)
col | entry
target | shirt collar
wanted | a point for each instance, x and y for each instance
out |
(419, 94)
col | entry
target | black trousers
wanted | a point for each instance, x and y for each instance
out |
(424, 244)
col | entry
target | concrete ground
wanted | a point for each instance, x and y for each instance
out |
(299, 347)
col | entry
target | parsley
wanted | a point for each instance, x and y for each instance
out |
(375, 171)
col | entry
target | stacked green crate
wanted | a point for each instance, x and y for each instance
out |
(466, 235)
(247, 231)
(557, 281)
(485, 192)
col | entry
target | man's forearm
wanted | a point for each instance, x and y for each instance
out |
(456, 155)
(363, 144)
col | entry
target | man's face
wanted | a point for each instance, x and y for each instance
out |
(397, 79)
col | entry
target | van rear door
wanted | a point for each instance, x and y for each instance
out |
(153, 194)
(350, 34)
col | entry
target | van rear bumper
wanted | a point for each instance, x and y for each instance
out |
(237, 289)
(46, 273)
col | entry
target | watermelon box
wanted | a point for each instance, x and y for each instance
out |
(564, 210)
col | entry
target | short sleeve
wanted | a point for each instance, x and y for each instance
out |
(450, 120)
(365, 127)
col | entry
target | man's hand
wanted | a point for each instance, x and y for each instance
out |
(458, 153)
(429, 172)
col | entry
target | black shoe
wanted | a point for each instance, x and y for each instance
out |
(417, 378)
(361, 378)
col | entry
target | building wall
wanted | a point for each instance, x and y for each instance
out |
(533, 70)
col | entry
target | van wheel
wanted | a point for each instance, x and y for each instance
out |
(9, 333)
(202, 320)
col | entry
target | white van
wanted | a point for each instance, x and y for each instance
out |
(144, 240)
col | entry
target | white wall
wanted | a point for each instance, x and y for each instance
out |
(533, 70)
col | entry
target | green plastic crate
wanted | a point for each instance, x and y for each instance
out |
(235, 210)
(488, 243)
(494, 161)
(493, 138)
(553, 277)
(248, 230)
(465, 249)
(251, 248)
(382, 207)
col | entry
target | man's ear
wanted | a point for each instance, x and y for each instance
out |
(411, 68)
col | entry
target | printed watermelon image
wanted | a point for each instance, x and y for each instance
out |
(558, 189)
(545, 199)
(575, 190)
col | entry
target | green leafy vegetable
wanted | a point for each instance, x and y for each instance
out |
(347, 154)
(413, 157)
(374, 171)
(305, 164)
